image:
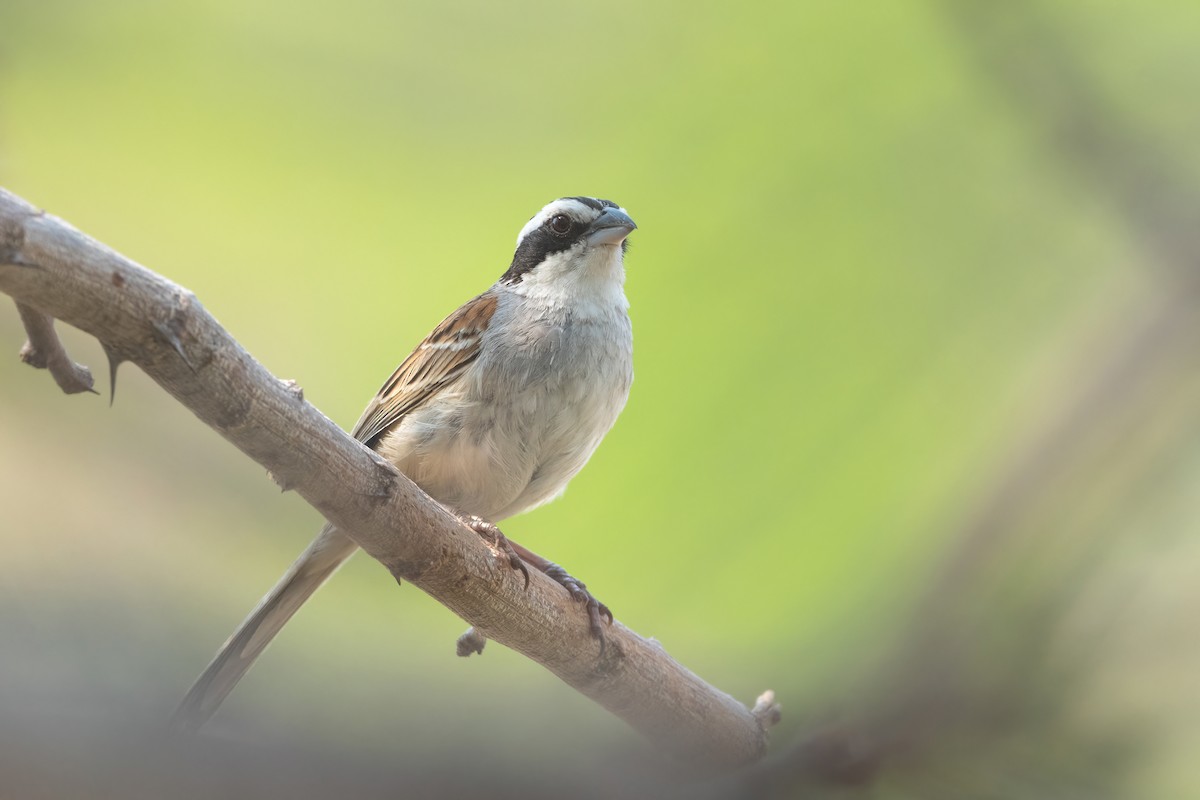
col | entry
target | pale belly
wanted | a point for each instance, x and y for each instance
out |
(511, 440)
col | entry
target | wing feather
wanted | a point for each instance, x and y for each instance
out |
(437, 362)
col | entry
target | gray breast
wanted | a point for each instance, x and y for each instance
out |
(556, 386)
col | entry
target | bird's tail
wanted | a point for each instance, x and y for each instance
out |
(314, 566)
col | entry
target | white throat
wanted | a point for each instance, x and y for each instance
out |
(590, 280)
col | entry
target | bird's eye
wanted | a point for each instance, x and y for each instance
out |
(560, 224)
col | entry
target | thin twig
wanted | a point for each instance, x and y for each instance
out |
(45, 351)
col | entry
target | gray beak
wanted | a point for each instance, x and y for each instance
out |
(611, 227)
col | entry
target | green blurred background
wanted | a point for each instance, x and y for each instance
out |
(913, 440)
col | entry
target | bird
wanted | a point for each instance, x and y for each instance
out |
(491, 415)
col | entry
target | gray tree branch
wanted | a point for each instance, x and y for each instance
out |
(139, 316)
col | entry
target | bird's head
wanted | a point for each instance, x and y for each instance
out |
(573, 241)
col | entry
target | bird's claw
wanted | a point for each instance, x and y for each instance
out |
(597, 612)
(499, 542)
(580, 594)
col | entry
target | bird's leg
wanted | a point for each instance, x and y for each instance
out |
(575, 587)
(492, 535)
(519, 556)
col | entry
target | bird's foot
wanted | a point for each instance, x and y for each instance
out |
(580, 594)
(499, 542)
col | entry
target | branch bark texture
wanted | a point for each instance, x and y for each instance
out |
(141, 317)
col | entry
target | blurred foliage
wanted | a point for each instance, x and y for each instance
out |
(882, 453)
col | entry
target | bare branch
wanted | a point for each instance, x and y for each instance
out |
(143, 318)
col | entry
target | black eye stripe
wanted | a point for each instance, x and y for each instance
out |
(537, 245)
(542, 242)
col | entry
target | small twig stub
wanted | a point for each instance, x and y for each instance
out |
(43, 350)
